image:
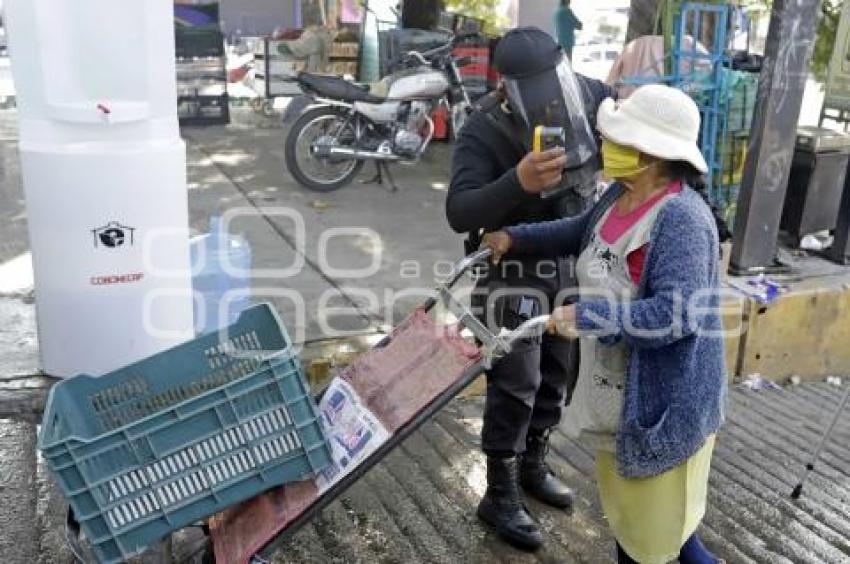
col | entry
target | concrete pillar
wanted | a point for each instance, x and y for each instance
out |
(642, 16)
(540, 13)
(782, 81)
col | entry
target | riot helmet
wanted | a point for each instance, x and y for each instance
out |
(542, 89)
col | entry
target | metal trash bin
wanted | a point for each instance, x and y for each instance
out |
(816, 181)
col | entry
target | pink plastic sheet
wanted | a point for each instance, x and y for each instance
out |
(420, 362)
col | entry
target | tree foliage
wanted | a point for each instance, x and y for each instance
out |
(830, 13)
(825, 39)
(486, 10)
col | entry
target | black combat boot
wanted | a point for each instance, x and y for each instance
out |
(502, 508)
(537, 478)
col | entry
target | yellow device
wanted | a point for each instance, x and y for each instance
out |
(546, 138)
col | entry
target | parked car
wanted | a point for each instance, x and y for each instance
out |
(595, 60)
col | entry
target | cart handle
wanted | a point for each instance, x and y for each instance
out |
(502, 344)
(493, 346)
(464, 264)
(532, 328)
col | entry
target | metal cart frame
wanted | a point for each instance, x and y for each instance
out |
(492, 347)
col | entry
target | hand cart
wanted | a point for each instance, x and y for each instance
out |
(252, 532)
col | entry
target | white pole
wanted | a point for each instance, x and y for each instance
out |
(104, 173)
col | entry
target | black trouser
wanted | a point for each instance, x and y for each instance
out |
(528, 388)
(526, 392)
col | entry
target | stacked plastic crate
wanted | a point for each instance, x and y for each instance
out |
(475, 73)
(273, 62)
(344, 56)
(741, 93)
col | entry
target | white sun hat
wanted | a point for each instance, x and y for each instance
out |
(657, 120)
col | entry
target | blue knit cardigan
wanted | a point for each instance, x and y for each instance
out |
(676, 378)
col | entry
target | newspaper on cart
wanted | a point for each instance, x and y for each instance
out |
(353, 431)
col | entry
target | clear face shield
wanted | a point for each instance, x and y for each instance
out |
(552, 98)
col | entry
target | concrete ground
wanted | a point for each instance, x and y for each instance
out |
(403, 239)
(418, 505)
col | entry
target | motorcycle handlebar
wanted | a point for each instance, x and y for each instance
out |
(436, 50)
(421, 57)
(424, 57)
(448, 46)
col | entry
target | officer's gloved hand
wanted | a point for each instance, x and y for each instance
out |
(538, 172)
(499, 242)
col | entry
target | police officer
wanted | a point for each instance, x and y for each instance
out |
(498, 181)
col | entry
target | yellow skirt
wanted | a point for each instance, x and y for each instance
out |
(652, 518)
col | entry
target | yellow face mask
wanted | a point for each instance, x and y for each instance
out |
(619, 161)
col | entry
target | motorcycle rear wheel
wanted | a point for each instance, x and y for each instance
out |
(319, 175)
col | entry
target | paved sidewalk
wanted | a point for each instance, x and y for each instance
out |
(419, 504)
(242, 165)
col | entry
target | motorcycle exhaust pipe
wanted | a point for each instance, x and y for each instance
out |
(347, 153)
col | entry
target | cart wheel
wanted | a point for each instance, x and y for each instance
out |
(268, 108)
(208, 556)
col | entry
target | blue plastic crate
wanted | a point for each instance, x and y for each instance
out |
(174, 438)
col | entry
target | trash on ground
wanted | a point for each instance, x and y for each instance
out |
(764, 290)
(816, 243)
(756, 382)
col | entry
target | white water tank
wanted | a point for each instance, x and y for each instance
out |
(104, 172)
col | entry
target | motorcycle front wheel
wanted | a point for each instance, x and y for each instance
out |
(317, 174)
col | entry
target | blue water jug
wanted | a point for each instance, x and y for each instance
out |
(215, 283)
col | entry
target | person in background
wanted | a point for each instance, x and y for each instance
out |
(566, 24)
(652, 380)
(497, 181)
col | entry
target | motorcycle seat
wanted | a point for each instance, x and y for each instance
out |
(337, 88)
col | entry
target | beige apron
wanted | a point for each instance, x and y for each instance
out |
(602, 270)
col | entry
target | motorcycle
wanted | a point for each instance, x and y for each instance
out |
(347, 124)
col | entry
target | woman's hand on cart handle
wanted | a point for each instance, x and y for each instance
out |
(499, 242)
(562, 322)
